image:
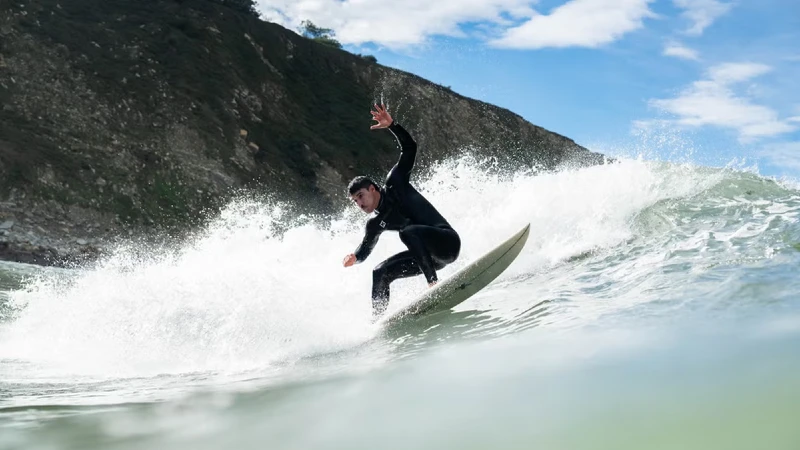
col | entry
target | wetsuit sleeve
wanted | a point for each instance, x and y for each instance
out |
(408, 150)
(371, 234)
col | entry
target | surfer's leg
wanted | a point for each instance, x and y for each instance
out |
(401, 265)
(432, 247)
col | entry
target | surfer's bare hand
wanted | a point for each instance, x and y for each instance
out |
(380, 115)
(349, 260)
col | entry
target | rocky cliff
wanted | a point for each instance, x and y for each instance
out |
(122, 117)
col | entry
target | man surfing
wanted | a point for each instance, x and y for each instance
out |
(398, 206)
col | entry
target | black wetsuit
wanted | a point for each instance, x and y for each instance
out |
(431, 241)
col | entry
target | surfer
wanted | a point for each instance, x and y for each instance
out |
(398, 206)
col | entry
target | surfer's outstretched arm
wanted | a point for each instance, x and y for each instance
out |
(408, 147)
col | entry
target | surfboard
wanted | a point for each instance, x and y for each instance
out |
(464, 283)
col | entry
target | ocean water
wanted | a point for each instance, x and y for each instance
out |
(655, 306)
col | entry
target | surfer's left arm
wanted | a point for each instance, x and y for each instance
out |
(371, 235)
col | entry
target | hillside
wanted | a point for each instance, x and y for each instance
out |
(124, 118)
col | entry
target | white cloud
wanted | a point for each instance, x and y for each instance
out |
(394, 24)
(785, 155)
(715, 102)
(702, 13)
(729, 73)
(584, 23)
(579, 23)
(680, 51)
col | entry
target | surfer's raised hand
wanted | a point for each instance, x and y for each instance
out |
(380, 115)
(349, 260)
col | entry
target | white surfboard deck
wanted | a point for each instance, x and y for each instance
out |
(465, 283)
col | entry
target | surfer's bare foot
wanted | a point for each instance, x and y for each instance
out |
(432, 284)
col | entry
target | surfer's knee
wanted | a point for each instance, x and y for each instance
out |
(449, 249)
(455, 248)
(409, 233)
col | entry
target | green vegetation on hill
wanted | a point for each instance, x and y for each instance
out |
(324, 36)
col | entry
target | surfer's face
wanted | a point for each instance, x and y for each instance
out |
(367, 199)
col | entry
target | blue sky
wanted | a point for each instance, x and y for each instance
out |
(709, 81)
